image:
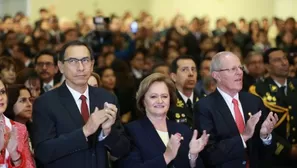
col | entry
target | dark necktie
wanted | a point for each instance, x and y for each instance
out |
(84, 108)
(189, 104)
(283, 90)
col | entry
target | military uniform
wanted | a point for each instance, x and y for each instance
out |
(282, 101)
(180, 112)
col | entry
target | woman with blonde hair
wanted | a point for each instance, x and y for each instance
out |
(159, 142)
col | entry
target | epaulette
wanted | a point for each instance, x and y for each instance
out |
(275, 108)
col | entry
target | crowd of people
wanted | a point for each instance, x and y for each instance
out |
(124, 91)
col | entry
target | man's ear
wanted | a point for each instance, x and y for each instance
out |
(173, 77)
(216, 76)
(60, 67)
(267, 67)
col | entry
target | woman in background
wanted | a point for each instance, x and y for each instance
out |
(30, 79)
(7, 70)
(19, 106)
(94, 80)
(14, 146)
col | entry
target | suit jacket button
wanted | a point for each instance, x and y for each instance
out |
(244, 162)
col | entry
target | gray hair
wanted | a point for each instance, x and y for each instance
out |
(216, 60)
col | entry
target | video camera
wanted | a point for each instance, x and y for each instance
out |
(102, 34)
(101, 22)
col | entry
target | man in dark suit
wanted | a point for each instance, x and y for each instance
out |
(231, 116)
(69, 129)
(184, 74)
(279, 95)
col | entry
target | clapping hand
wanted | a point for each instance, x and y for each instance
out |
(94, 121)
(2, 141)
(197, 145)
(172, 147)
(268, 125)
(13, 144)
(250, 126)
(111, 115)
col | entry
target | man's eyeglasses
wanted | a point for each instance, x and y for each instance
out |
(231, 70)
(75, 61)
(47, 64)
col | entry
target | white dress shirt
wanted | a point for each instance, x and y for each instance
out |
(185, 98)
(27, 63)
(51, 84)
(76, 95)
(138, 74)
(279, 85)
(228, 99)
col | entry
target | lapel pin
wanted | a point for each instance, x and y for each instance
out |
(250, 114)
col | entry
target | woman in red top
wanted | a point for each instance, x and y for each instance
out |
(14, 146)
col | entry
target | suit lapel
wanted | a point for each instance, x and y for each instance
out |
(225, 111)
(152, 134)
(93, 99)
(171, 128)
(69, 103)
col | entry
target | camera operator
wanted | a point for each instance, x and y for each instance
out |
(107, 33)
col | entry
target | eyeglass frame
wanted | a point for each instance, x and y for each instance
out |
(88, 59)
(46, 64)
(232, 70)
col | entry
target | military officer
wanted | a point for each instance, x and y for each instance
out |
(280, 96)
(184, 74)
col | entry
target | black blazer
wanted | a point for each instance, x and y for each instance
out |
(148, 148)
(58, 137)
(180, 112)
(225, 147)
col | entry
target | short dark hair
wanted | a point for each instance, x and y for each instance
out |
(6, 17)
(205, 59)
(268, 52)
(47, 52)
(159, 65)
(6, 62)
(73, 43)
(7, 34)
(22, 47)
(107, 54)
(26, 74)
(43, 10)
(174, 66)
(139, 51)
(100, 71)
